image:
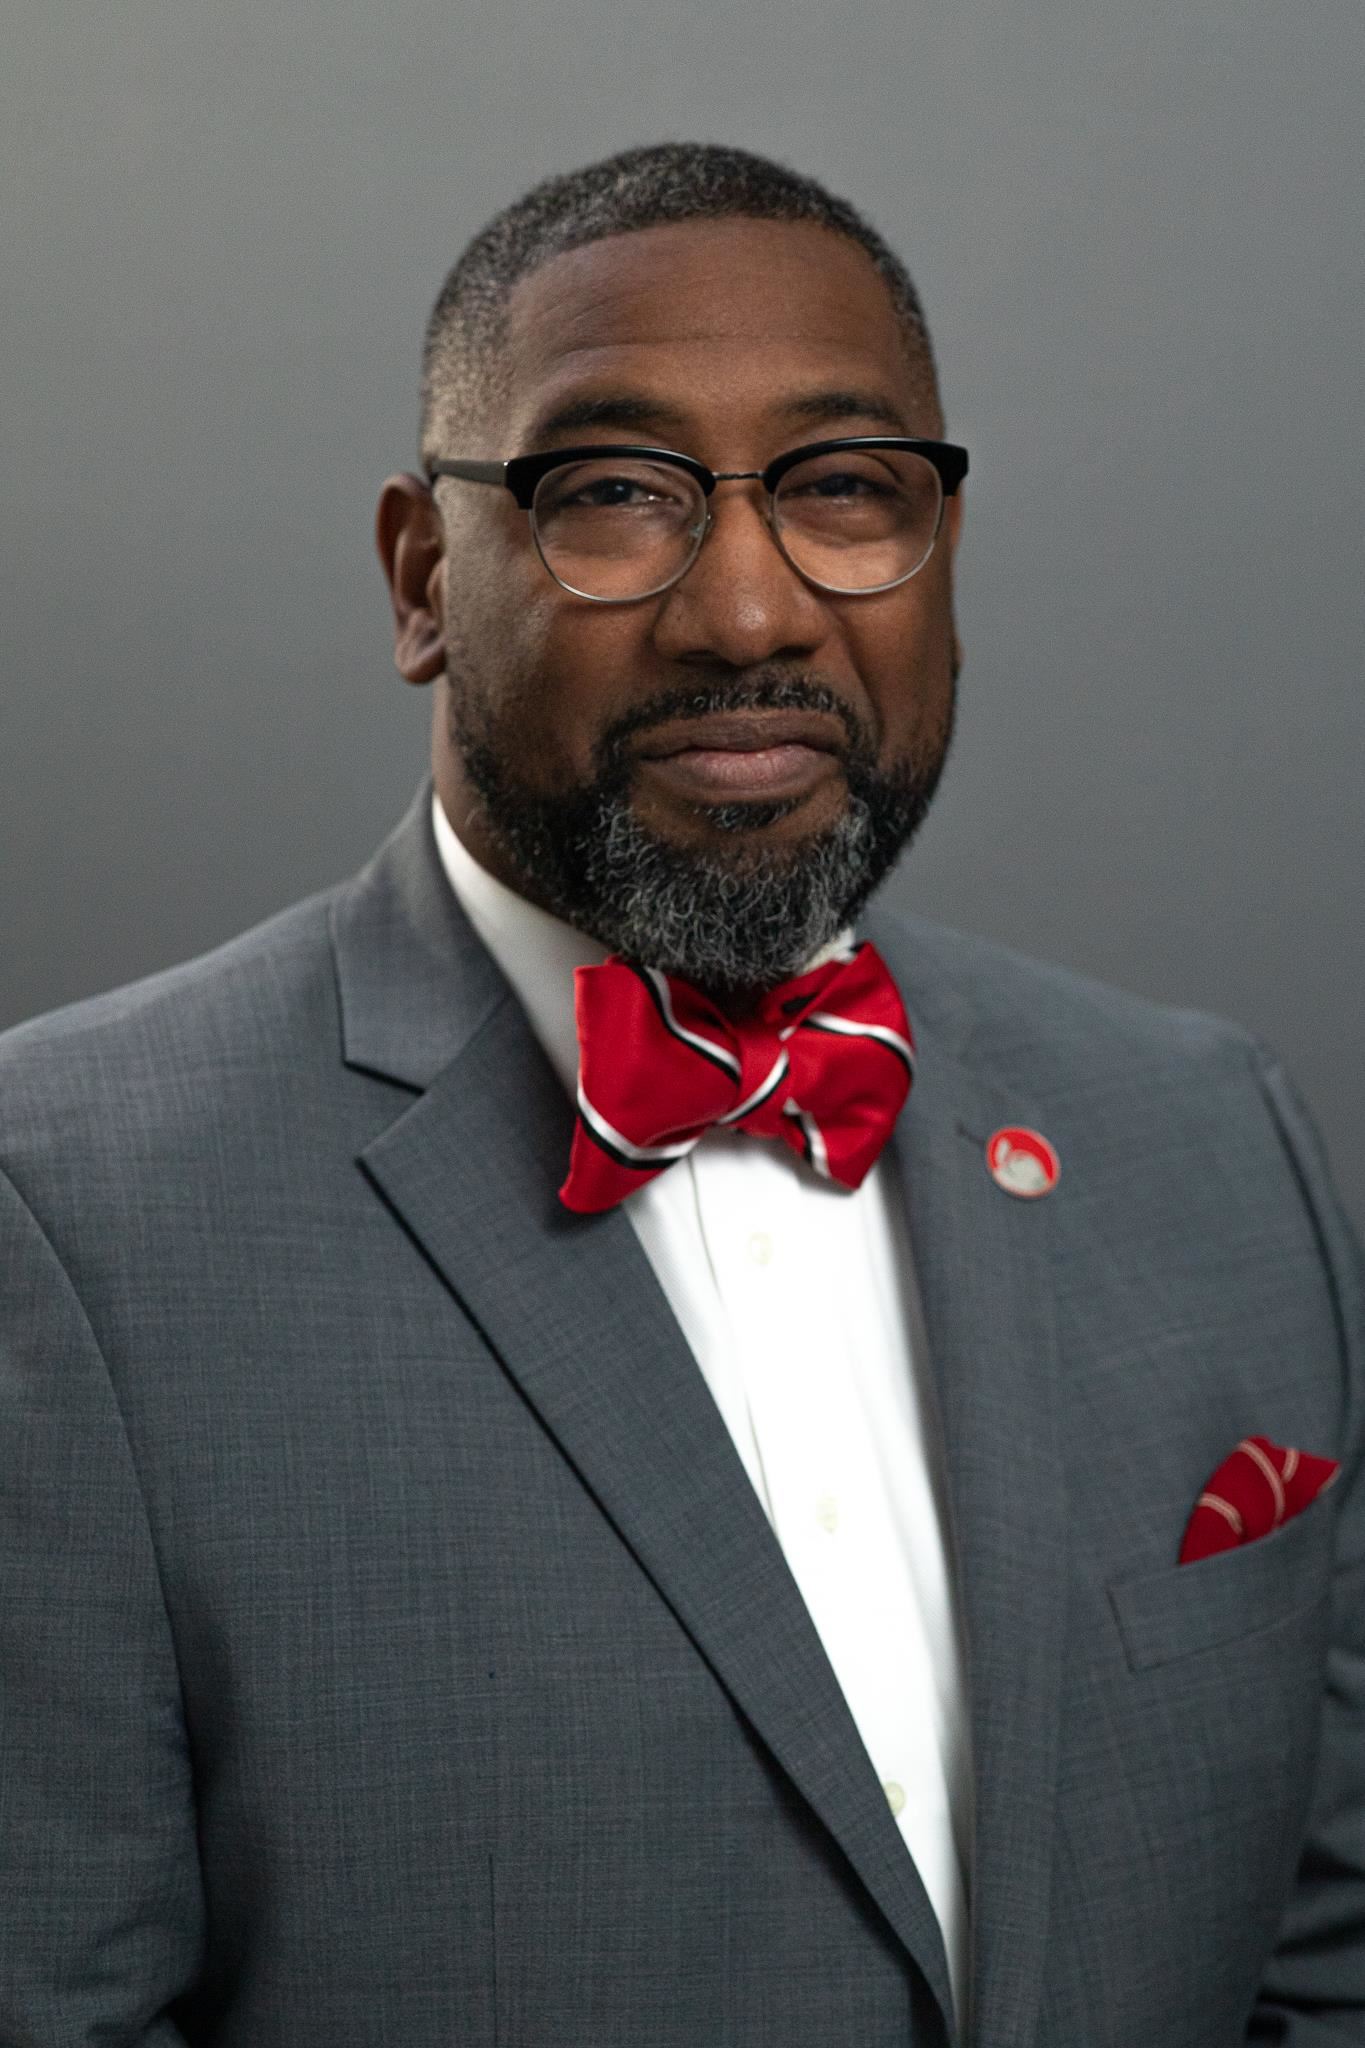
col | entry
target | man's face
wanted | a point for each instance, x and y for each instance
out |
(743, 747)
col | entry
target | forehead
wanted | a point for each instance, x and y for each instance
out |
(715, 320)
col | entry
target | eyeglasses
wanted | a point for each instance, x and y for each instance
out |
(615, 524)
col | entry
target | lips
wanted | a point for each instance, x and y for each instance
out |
(733, 755)
(743, 732)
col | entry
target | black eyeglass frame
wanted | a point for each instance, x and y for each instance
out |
(521, 474)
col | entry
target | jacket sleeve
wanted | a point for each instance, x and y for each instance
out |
(101, 1910)
(1312, 1994)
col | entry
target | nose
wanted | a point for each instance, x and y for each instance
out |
(741, 601)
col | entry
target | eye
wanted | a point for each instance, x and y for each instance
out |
(842, 483)
(590, 490)
(603, 493)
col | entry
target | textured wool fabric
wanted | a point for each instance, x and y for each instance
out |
(823, 1064)
(393, 1649)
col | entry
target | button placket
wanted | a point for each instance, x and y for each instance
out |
(810, 1300)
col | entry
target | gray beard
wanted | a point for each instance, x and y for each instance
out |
(734, 922)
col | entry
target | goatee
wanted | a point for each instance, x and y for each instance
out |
(735, 920)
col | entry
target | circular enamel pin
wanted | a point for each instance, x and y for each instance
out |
(1022, 1162)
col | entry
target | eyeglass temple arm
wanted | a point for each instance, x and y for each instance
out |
(471, 472)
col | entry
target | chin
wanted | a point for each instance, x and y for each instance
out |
(770, 822)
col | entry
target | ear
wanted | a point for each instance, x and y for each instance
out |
(411, 544)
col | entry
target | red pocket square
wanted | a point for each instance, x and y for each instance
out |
(1261, 1485)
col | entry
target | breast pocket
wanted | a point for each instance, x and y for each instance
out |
(1220, 1600)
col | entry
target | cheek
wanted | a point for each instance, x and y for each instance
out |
(588, 664)
(496, 587)
(550, 673)
(498, 624)
(903, 653)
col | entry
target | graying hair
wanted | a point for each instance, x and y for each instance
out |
(736, 921)
(638, 188)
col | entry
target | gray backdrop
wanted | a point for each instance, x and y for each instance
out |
(1137, 234)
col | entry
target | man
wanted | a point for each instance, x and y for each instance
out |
(542, 1505)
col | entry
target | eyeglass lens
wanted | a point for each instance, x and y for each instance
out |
(849, 520)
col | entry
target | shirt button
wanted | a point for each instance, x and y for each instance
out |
(827, 1512)
(761, 1248)
(895, 1795)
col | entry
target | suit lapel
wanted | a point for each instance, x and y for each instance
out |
(572, 1310)
(984, 1262)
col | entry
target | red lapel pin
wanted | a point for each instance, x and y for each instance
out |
(1022, 1162)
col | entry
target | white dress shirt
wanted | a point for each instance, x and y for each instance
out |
(799, 1302)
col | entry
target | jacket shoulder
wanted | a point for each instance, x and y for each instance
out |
(1007, 1006)
(168, 1043)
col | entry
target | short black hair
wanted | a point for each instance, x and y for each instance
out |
(638, 188)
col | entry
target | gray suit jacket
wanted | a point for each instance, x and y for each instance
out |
(392, 1650)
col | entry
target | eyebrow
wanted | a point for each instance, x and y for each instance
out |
(829, 407)
(628, 412)
(619, 409)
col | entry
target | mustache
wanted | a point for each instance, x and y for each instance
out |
(770, 688)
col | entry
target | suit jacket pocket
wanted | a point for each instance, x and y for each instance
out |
(1192, 1607)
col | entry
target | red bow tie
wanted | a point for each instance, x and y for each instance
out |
(824, 1064)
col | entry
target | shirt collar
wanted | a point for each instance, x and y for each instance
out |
(536, 952)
